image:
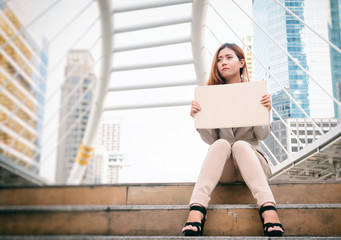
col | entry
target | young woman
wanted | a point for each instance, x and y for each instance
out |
(234, 154)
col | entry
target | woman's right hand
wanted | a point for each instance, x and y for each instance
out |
(195, 108)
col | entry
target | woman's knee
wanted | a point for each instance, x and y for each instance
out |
(221, 143)
(242, 151)
(240, 145)
(221, 146)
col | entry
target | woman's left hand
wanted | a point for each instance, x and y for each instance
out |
(266, 101)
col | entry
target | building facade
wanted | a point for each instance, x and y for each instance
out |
(115, 166)
(334, 27)
(76, 95)
(108, 135)
(314, 55)
(99, 163)
(108, 160)
(248, 40)
(299, 133)
(306, 48)
(23, 74)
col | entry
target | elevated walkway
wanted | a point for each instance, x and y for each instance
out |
(320, 160)
(306, 209)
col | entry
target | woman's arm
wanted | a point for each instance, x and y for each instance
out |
(195, 108)
(208, 135)
(266, 101)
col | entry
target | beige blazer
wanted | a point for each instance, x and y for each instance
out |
(252, 135)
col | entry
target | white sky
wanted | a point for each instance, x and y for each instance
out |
(161, 145)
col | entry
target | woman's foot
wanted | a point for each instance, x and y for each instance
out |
(195, 221)
(269, 218)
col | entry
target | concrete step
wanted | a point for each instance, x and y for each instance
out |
(80, 237)
(166, 194)
(164, 220)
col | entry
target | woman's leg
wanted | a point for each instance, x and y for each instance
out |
(211, 170)
(253, 174)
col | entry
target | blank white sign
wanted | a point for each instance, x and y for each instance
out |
(231, 105)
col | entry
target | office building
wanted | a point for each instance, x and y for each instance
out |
(108, 135)
(76, 95)
(115, 166)
(304, 46)
(338, 96)
(100, 159)
(334, 27)
(248, 40)
(106, 166)
(108, 160)
(300, 132)
(23, 73)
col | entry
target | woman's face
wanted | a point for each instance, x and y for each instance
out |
(229, 65)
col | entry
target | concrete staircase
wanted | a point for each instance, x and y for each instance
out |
(309, 210)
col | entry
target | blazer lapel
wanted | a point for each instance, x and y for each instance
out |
(231, 131)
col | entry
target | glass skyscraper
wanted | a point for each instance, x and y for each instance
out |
(334, 26)
(306, 48)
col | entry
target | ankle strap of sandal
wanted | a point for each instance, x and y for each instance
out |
(266, 208)
(198, 208)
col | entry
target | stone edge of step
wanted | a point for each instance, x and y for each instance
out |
(128, 185)
(82, 237)
(79, 208)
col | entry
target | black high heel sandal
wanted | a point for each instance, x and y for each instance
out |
(266, 226)
(198, 225)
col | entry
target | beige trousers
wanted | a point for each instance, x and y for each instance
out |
(224, 163)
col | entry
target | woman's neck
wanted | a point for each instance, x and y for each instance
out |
(236, 79)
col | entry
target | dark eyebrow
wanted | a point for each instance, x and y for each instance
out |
(229, 54)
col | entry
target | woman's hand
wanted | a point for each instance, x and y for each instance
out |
(266, 101)
(195, 108)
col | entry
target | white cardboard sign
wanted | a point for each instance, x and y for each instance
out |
(231, 105)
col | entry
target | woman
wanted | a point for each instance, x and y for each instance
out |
(234, 154)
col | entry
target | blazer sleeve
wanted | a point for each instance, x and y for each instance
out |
(209, 135)
(261, 132)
